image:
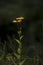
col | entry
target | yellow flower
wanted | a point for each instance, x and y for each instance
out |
(18, 20)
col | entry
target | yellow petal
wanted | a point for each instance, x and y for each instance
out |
(14, 21)
(19, 21)
(20, 18)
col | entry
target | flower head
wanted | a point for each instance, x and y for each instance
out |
(18, 20)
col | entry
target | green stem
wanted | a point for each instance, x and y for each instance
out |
(19, 48)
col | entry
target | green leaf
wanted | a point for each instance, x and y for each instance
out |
(18, 41)
(21, 37)
(22, 62)
(17, 56)
(19, 32)
(19, 50)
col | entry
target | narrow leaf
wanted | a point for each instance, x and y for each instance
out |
(21, 37)
(22, 62)
(18, 41)
(17, 56)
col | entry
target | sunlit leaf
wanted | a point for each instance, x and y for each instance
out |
(18, 41)
(21, 37)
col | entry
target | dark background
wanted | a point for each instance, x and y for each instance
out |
(32, 10)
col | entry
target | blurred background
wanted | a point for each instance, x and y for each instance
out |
(32, 27)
